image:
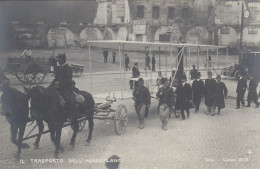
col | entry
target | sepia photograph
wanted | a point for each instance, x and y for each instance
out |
(129, 84)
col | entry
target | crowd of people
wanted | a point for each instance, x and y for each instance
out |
(188, 96)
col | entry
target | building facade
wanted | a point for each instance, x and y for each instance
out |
(73, 23)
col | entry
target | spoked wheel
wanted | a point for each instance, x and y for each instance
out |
(121, 119)
(34, 73)
(20, 76)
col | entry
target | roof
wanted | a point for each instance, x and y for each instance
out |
(135, 45)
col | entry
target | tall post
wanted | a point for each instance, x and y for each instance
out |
(241, 27)
(187, 64)
(198, 59)
(217, 61)
(120, 59)
(90, 67)
(124, 69)
(159, 58)
(166, 70)
(171, 61)
(151, 81)
(207, 59)
(179, 72)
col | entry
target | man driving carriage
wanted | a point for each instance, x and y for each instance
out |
(63, 82)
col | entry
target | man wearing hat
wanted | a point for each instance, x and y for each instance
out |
(184, 95)
(63, 81)
(241, 89)
(220, 96)
(252, 93)
(105, 54)
(209, 92)
(197, 91)
(142, 101)
(166, 96)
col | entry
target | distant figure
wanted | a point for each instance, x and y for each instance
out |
(166, 96)
(147, 61)
(113, 162)
(252, 93)
(135, 74)
(127, 61)
(114, 56)
(208, 61)
(184, 96)
(220, 96)
(193, 72)
(153, 63)
(27, 53)
(241, 89)
(209, 91)
(197, 91)
(142, 101)
(105, 54)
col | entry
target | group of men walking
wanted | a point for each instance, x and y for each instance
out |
(187, 96)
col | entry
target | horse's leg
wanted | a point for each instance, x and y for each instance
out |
(75, 132)
(90, 128)
(13, 129)
(58, 137)
(20, 139)
(41, 128)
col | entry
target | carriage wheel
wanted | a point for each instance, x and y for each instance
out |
(77, 72)
(20, 76)
(34, 73)
(121, 119)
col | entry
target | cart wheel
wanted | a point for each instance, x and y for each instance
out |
(20, 76)
(34, 73)
(121, 119)
(82, 124)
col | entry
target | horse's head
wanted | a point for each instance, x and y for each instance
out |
(36, 100)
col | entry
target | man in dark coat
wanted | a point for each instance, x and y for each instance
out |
(114, 56)
(153, 63)
(63, 81)
(252, 93)
(142, 101)
(184, 96)
(127, 61)
(105, 54)
(241, 89)
(220, 95)
(193, 72)
(147, 61)
(209, 91)
(166, 96)
(197, 91)
(135, 74)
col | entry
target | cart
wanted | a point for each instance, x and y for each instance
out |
(33, 70)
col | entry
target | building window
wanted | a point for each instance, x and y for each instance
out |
(156, 12)
(164, 38)
(139, 37)
(184, 13)
(171, 13)
(210, 10)
(140, 11)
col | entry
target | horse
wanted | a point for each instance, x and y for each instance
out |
(15, 108)
(46, 105)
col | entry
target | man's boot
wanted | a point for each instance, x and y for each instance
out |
(141, 124)
(218, 113)
(165, 126)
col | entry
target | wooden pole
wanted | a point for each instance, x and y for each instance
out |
(90, 68)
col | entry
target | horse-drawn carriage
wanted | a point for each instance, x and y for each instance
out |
(34, 70)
